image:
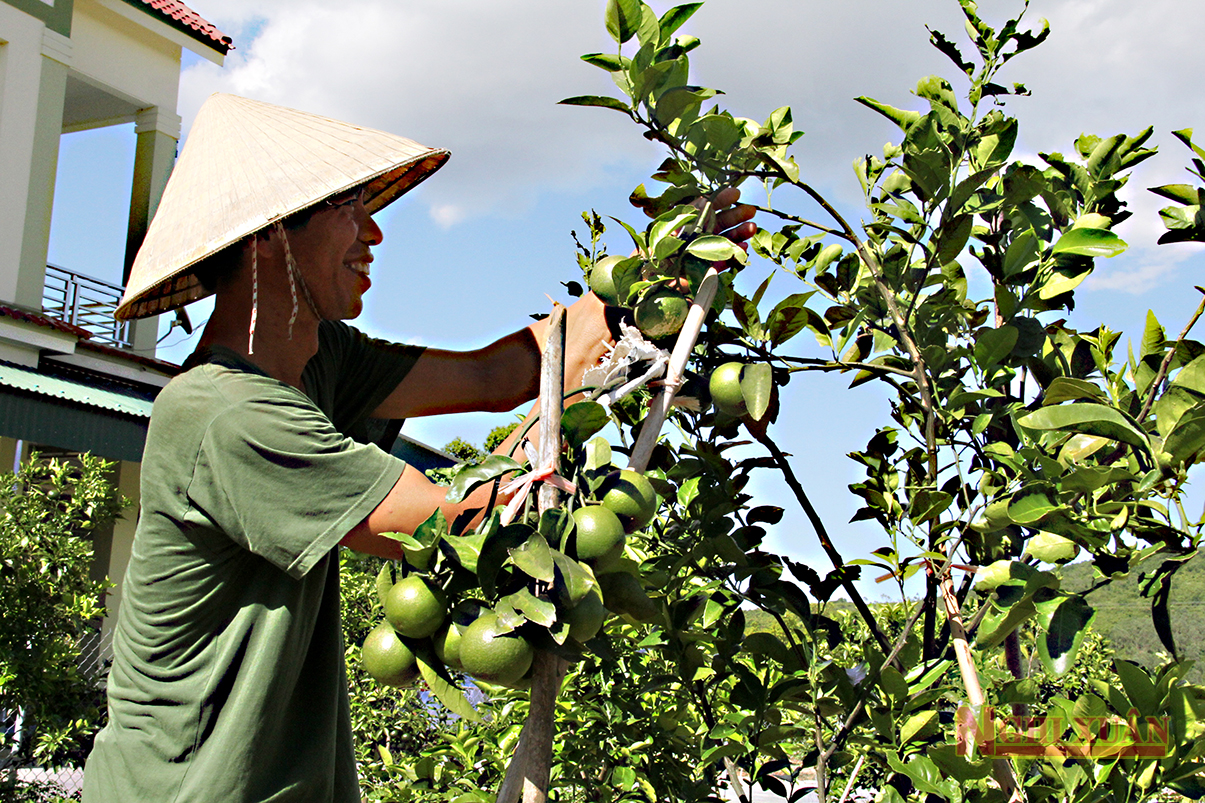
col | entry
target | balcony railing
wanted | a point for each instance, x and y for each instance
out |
(87, 303)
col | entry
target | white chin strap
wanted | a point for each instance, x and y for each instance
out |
(295, 280)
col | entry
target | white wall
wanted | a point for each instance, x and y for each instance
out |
(127, 59)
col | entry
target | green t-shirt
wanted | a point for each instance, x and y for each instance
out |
(228, 681)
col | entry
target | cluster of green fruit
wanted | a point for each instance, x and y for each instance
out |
(423, 622)
(659, 309)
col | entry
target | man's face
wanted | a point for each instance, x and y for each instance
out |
(333, 253)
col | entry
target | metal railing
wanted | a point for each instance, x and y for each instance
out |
(87, 303)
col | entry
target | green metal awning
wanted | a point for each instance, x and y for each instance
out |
(15, 376)
(73, 412)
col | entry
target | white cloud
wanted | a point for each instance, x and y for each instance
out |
(447, 215)
(1143, 272)
(482, 79)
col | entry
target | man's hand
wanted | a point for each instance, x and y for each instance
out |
(728, 218)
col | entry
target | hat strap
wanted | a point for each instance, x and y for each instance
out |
(254, 293)
(295, 279)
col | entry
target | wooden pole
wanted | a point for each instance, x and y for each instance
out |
(1002, 769)
(528, 773)
(685, 345)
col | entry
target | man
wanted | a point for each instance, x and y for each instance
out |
(228, 680)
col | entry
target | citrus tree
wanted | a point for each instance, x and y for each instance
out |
(48, 605)
(1015, 443)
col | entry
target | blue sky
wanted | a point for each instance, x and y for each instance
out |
(472, 252)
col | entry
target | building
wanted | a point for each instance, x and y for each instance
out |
(72, 379)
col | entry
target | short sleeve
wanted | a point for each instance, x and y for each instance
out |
(275, 475)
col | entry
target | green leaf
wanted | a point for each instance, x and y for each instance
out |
(494, 552)
(785, 164)
(540, 611)
(1051, 548)
(648, 32)
(952, 237)
(757, 386)
(680, 103)
(791, 316)
(996, 626)
(384, 582)
(1066, 621)
(597, 100)
(1089, 243)
(598, 453)
(467, 549)
(1192, 376)
(607, 61)
(489, 469)
(1031, 504)
(673, 19)
(675, 219)
(582, 420)
(1022, 253)
(534, 557)
(900, 117)
(1064, 277)
(919, 726)
(924, 774)
(623, 18)
(927, 504)
(996, 574)
(1089, 418)
(445, 691)
(577, 578)
(1187, 438)
(1066, 388)
(1138, 687)
(993, 345)
(714, 248)
(1183, 193)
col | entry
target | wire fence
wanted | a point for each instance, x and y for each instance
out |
(21, 778)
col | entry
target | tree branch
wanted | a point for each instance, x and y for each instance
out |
(826, 542)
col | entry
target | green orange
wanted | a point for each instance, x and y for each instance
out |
(596, 532)
(387, 658)
(415, 608)
(661, 313)
(602, 280)
(623, 593)
(586, 617)
(630, 496)
(493, 656)
(725, 388)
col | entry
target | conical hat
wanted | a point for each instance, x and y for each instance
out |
(246, 164)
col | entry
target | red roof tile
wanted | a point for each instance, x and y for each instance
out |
(44, 321)
(181, 16)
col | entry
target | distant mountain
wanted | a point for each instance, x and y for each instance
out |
(1123, 616)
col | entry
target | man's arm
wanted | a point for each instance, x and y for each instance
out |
(414, 497)
(500, 376)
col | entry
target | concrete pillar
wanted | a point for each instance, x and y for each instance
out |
(48, 128)
(35, 61)
(158, 132)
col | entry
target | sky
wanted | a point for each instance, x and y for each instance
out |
(484, 243)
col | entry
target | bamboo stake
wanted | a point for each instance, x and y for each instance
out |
(528, 773)
(651, 430)
(1002, 769)
(529, 769)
